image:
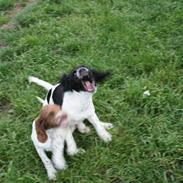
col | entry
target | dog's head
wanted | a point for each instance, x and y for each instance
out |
(83, 79)
(51, 116)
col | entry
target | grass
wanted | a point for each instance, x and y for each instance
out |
(142, 43)
(8, 9)
(3, 19)
(6, 4)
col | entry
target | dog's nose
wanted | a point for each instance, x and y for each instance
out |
(83, 72)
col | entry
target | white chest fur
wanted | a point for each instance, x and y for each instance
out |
(78, 105)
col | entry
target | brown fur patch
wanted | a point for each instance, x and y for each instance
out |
(46, 120)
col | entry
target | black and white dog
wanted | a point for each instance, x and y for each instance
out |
(74, 93)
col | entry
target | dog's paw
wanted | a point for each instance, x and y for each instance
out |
(105, 136)
(84, 130)
(81, 151)
(72, 151)
(76, 151)
(60, 165)
(107, 125)
(52, 175)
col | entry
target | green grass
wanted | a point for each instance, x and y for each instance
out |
(6, 4)
(9, 4)
(142, 43)
(3, 19)
(6, 8)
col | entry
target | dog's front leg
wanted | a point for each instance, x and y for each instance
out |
(71, 144)
(82, 127)
(58, 154)
(106, 125)
(100, 128)
(47, 163)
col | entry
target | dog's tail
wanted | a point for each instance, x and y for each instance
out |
(40, 100)
(40, 82)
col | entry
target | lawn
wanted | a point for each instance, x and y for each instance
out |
(141, 42)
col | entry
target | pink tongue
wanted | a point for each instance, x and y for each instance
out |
(89, 86)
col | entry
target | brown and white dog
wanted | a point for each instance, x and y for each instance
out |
(49, 132)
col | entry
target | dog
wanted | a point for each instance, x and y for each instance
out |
(74, 93)
(49, 132)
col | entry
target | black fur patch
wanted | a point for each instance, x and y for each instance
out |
(49, 95)
(58, 95)
(100, 75)
(71, 82)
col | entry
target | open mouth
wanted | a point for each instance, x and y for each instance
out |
(89, 86)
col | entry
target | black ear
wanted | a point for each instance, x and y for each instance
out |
(100, 75)
(63, 78)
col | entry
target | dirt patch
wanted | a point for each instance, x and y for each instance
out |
(5, 108)
(12, 14)
(2, 45)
